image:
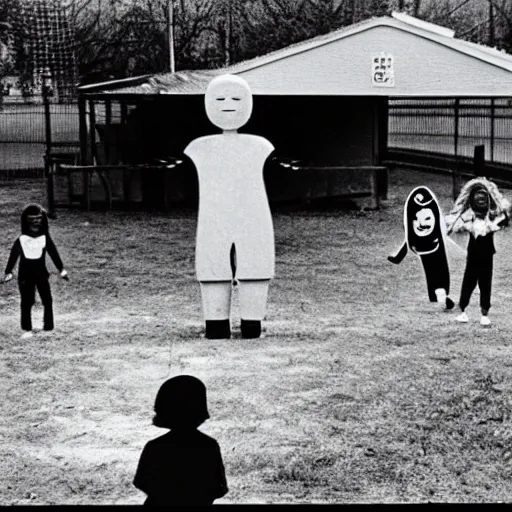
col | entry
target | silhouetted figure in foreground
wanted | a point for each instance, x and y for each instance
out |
(184, 466)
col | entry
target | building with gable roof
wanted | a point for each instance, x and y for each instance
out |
(323, 102)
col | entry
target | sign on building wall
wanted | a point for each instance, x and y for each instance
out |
(383, 70)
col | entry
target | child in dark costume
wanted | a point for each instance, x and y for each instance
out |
(31, 248)
(480, 210)
(184, 466)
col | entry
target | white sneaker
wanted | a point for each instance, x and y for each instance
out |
(27, 334)
(441, 298)
(485, 321)
(463, 317)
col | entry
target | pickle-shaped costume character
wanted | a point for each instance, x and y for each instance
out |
(425, 234)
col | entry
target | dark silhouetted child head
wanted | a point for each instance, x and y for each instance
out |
(181, 403)
(34, 221)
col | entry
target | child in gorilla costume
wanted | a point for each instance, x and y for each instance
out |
(31, 248)
(480, 210)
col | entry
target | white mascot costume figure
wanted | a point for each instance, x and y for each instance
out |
(235, 234)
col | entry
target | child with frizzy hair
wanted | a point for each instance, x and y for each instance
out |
(183, 466)
(480, 210)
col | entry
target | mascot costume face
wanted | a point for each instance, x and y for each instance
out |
(228, 102)
(34, 224)
(478, 205)
(425, 236)
(235, 236)
(34, 221)
(422, 221)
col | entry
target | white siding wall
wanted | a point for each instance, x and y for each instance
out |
(344, 67)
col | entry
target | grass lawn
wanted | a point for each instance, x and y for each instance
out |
(360, 391)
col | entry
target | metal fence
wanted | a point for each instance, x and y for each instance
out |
(453, 126)
(445, 126)
(23, 130)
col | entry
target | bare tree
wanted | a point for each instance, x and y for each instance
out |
(7, 36)
(483, 21)
(197, 39)
(124, 37)
(503, 9)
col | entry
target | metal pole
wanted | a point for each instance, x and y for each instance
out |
(124, 112)
(170, 30)
(82, 120)
(108, 121)
(47, 114)
(108, 111)
(92, 118)
(228, 34)
(124, 120)
(493, 117)
(455, 148)
(48, 164)
(92, 133)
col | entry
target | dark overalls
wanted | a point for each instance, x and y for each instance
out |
(479, 265)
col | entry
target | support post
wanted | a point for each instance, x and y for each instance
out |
(108, 121)
(382, 126)
(47, 113)
(92, 119)
(493, 118)
(375, 173)
(124, 112)
(82, 124)
(108, 111)
(455, 171)
(48, 164)
(86, 175)
(479, 160)
(170, 30)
